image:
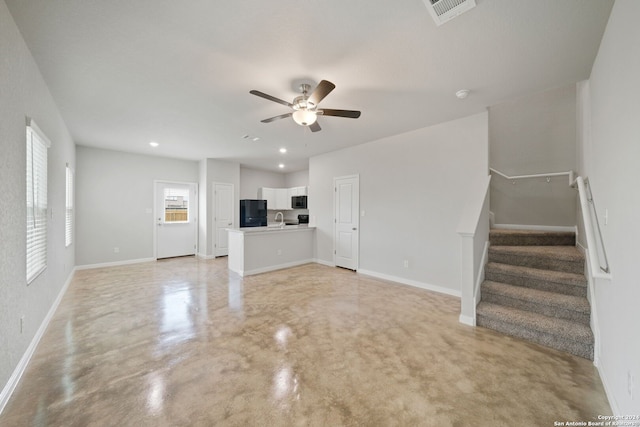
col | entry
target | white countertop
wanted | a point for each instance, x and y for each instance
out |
(272, 229)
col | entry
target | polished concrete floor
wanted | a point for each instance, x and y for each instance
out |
(182, 342)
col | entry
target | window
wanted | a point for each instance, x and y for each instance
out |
(176, 205)
(37, 145)
(68, 214)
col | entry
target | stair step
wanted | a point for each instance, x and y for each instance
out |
(557, 258)
(561, 334)
(550, 304)
(544, 280)
(506, 237)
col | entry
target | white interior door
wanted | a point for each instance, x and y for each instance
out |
(176, 207)
(347, 206)
(223, 216)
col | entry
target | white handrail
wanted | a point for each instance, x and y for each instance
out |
(537, 175)
(597, 270)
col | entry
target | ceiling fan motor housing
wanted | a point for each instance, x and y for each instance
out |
(300, 103)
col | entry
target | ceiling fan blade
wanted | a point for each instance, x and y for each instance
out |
(323, 89)
(272, 119)
(270, 98)
(315, 127)
(351, 114)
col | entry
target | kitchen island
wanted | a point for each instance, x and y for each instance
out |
(254, 250)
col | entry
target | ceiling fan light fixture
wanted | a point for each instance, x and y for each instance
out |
(304, 117)
(462, 93)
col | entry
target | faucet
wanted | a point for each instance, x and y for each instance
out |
(281, 218)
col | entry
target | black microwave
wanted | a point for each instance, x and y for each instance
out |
(298, 202)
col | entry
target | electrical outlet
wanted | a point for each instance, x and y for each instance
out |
(630, 384)
(406, 263)
(279, 252)
(116, 250)
(21, 324)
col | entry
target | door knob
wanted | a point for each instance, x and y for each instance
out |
(354, 228)
(230, 223)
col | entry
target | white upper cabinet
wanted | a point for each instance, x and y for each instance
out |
(268, 194)
(280, 198)
(292, 192)
(297, 191)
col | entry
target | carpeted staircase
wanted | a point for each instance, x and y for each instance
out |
(535, 289)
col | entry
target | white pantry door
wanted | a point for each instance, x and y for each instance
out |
(347, 206)
(176, 208)
(222, 216)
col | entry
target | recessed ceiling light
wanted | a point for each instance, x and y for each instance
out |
(153, 144)
(462, 93)
(255, 138)
(281, 165)
(283, 150)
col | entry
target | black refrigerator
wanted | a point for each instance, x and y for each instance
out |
(253, 213)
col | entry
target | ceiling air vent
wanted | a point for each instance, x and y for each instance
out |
(445, 10)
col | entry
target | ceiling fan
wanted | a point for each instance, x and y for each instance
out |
(305, 107)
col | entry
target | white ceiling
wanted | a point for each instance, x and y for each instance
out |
(124, 73)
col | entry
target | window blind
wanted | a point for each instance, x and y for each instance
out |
(37, 145)
(68, 218)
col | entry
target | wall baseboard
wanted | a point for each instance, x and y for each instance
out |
(206, 257)
(323, 262)
(14, 379)
(414, 283)
(466, 320)
(608, 390)
(571, 228)
(114, 264)
(477, 295)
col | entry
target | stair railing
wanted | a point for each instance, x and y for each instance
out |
(570, 174)
(587, 206)
(594, 247)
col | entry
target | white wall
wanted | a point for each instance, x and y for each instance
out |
(114, 193)
(23, 93)
(252, 179)
(531, 135)
(297, 179)
(203, 208)
(413, 187)
(611, 163)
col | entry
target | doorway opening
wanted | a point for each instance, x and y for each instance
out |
(346, 204)
(176, 219)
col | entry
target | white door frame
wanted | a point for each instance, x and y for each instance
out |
(357, 213)
(213, 212)
(155, 212)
